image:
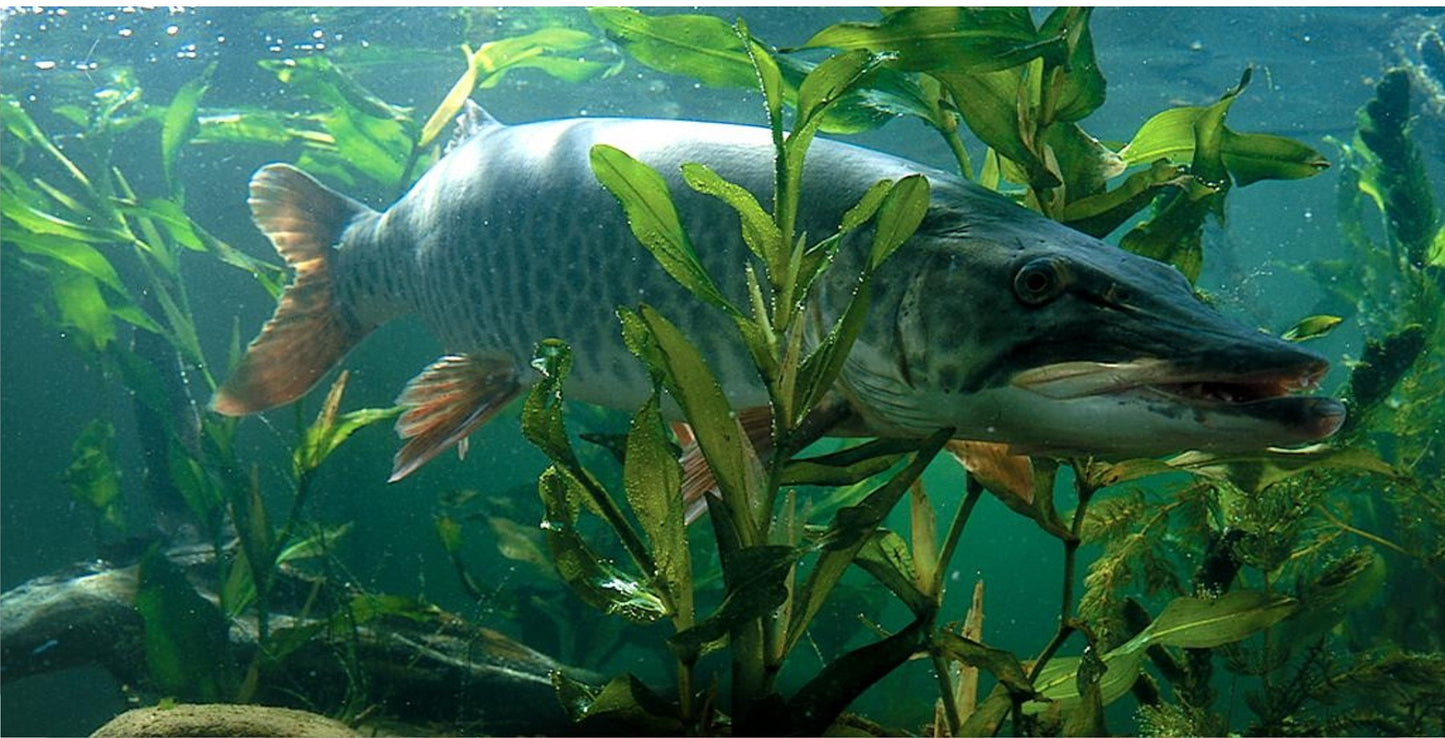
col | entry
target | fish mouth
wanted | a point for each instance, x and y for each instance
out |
(1269, 395)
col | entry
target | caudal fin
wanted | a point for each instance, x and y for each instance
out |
(311, 330)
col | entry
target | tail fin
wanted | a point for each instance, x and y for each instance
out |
(311, 329)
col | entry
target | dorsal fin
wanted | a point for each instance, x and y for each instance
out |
(471, 121)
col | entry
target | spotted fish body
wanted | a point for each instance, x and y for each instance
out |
(992, 320)
(510, 239)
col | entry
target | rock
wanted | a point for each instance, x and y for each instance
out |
(222, 720)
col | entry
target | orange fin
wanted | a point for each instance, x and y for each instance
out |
(311, 330)
(1010, 477)
(697, 479)
(448, 400)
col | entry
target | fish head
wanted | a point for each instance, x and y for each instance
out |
(1012, 328)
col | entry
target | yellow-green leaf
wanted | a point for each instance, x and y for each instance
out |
(700, 46)
(1189, 622)
(652, 478)
(653, 219)
(1312, 327)
(927, 38)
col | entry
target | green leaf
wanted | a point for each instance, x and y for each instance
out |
(77, 254)
(653, 220)
(1175, 234)
(516, 542)
(19, 123)
(888, 94)
(623, 701)
(179, 124)
(760, 233)
(700, 46)
(1082, 88)
(186, 643)
(34, 219)
(991, 104)
(866, 206)
(1188, 622)
(1083, 163)
(849, 466)
(1167, 135)
(719, 435)
(819, 702)
(1059, 683)
(366, 608)
(597, 582)
(653, 480)
(92, 477)
(899, 216)
(450, 533)
(317, 77)
(1254, 471)
(201, 492)
(936, 37)
(249, 126)
(374, 147)
(542, 410)
(1312, 327)
(319, 544)
(170, 216)
(885, 555)
(821, 89)
(1251, 157)
(331, 429)
(1003, 665)
(1342, 586)
(849, 531)
(756, 585)
(1098, 215)
(83, 309)
(487, 65)
(821, 367)
(828, 82)
(1383, 363)
(1436, 256)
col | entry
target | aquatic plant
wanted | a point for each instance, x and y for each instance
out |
(1053, 693)
(1265, 565)
(111, 257)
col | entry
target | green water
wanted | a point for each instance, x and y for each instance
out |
(1314, 69)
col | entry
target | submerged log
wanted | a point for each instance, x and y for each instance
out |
(439, 670)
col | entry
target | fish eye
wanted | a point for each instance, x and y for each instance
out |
(1040, 280)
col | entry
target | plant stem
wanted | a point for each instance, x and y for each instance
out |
(945, 690)
(955, 531)
(1071, 547)
(955, 144)
(1066, 627)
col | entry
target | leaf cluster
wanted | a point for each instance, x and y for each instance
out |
(1022, 90)
(111, 258)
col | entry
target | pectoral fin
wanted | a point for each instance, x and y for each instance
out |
(1010, 477)
(448, 400)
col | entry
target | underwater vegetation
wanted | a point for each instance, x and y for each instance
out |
(1309, 580)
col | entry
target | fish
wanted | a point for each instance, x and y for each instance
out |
(992, 320)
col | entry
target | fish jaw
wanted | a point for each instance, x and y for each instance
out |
(1151, 406)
